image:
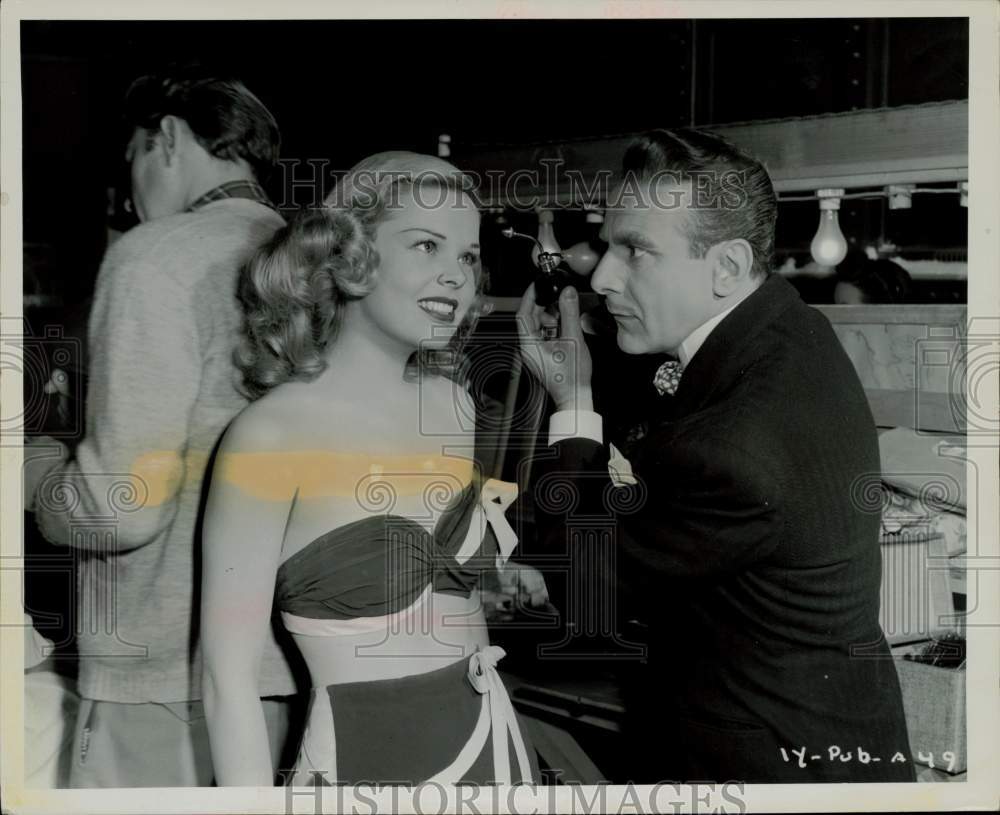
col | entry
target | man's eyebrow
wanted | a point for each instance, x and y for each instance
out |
(632, 238)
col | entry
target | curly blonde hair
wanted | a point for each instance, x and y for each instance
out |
(294, 287)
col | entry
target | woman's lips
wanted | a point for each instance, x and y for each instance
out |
(442, 309)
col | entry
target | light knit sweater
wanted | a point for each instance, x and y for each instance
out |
(162, 389)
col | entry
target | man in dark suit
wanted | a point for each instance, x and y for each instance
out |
(748, 525)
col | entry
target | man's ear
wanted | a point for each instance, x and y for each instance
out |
(171, 136)
(731, 266)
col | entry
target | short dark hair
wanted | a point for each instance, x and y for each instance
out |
(739, 196)
(225, 117)
(879, 281)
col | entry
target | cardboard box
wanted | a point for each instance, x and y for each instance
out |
(934, 702)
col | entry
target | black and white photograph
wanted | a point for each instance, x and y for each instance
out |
(500, 407)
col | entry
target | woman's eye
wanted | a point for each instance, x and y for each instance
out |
(428, 246)
(470, 259)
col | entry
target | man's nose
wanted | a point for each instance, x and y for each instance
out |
(606, 278)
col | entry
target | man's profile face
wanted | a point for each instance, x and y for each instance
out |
(153, 191)
(657, 293)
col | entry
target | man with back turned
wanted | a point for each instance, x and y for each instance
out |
(162, 388)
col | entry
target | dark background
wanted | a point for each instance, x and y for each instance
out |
(341, 90)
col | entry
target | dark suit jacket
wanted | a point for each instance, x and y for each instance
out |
(753, 538)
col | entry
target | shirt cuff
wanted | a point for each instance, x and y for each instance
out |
(570, 424)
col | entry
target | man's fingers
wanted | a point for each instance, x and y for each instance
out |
(569, 312)
(547, 320)
(528, 306)
(527, 315)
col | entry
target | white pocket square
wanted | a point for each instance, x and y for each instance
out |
(620, 469)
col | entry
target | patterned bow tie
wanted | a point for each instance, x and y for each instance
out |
(668, 377)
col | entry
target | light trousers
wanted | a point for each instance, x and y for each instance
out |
(161, 744)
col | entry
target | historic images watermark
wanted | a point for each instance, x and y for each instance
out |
(44, 357)
(432, 798)
(312, 183)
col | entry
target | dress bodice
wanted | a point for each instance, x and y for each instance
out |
(381, 564)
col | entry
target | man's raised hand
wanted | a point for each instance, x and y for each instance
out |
(562, 364)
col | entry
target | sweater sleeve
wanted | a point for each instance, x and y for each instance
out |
(144, 378)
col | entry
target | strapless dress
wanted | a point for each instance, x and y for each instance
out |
(381, 573)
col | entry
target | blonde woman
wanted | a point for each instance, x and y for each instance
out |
(354, 496)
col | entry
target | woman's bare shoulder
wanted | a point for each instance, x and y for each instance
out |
(283, 419)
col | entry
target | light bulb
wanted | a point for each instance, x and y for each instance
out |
(581, 258)
(546, 235)
(829, 246)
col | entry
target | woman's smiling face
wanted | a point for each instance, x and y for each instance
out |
(428, 250)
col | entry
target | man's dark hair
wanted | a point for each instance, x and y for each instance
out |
(732, 193)
(225, 117)
(879, 281)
